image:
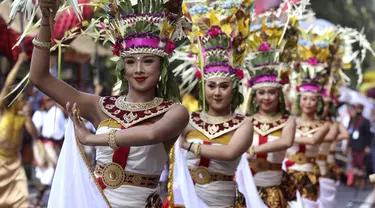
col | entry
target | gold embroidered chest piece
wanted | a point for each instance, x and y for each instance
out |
(128, 114)
(213, 127)
(306, 128)
(265, 125)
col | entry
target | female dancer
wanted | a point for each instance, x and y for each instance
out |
(216, 137)
(310, 133)
(144, 120)
(274, 128)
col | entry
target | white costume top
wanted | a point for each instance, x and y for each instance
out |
(148, 160)
(310, 151)
(269, 130)
(214, 193)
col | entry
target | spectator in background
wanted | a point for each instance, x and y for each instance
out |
(359, 143)
(44, 167)
(54, 124)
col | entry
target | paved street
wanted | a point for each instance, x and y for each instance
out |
(348, 197)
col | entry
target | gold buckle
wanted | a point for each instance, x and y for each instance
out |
(202, 175)
(113, 175)
(259, 165)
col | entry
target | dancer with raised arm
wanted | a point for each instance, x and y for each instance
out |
(135, 130)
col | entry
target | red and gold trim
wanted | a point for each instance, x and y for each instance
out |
(128, 114)
(267, 126)
(309, 128)
(213, 130)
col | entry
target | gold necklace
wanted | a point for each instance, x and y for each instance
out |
(306, 123)
(122, 104)
(267, 119)
(216, 119)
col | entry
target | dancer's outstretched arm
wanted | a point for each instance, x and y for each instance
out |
(168, 127)
(241, 141)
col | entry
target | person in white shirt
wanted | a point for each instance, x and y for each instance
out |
(53, 126)
(44, 166)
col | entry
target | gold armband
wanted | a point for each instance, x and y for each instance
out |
(112, 139)
(41, 45)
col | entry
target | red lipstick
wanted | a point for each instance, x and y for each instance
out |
(140, 79)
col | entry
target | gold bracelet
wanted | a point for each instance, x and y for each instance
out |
(42, 45)
(197, 150)
(112, 139)
(252, 151)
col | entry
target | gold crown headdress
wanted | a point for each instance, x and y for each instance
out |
(272, 44)
(217, 45)
(315, 55)
(149, 26)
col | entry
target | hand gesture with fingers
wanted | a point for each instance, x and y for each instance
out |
(81, 131)
(49, 9)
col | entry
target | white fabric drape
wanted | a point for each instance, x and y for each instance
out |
(73, 184)
(328, 190)
(183, 187)
(246, 185)
(298, 203)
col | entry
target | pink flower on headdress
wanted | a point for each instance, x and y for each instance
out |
(265, 46)
(297, 88)
(169, 47)
(214, 31)
(312, 61)
(239, 74)
(198, 74)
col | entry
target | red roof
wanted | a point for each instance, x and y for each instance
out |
(68, 19)
(8, 38)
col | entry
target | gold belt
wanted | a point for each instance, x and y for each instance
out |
(300, 158)
(321, 157)
(113, 176)
(201, 175)
(261, 165)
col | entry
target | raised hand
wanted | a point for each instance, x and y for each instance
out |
(49, 8)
